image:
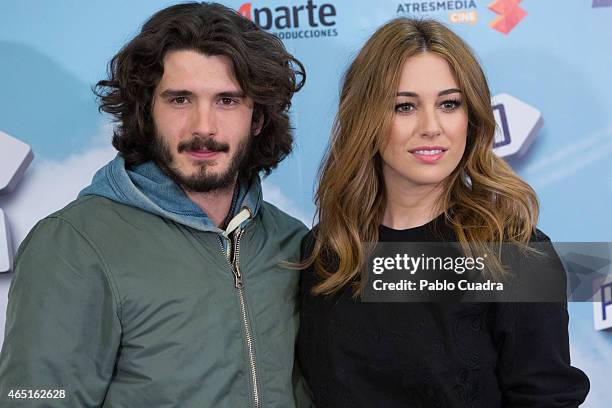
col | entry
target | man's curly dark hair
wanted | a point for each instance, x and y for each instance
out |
(264, 69)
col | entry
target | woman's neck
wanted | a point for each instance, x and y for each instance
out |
(410, 206)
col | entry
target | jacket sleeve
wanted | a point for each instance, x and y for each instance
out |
(302, 394)
(534, 367)
(62, 326)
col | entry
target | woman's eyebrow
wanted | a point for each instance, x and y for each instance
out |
(414, 94)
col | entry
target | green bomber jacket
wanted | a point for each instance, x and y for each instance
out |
(119, 307)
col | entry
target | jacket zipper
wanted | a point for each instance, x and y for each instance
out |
(238, 283)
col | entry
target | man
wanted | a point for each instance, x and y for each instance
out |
(163, 284)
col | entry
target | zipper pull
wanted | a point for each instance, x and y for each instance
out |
(236, 261)
(237, 277)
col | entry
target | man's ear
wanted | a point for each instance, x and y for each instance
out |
(257, 124)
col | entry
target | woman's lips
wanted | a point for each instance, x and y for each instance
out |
(428, 155)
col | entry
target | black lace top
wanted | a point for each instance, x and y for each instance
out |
(487, 355)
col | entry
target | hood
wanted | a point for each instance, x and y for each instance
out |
(148, 188)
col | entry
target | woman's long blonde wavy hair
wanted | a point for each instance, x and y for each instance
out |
(483, 199)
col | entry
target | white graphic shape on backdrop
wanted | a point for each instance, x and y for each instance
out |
(15, 157)
(6, 249)
(602, 305)
(518, 123)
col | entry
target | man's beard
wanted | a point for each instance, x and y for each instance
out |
(202, 181)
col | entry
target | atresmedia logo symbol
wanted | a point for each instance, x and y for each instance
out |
(15, 157)
(509, 15)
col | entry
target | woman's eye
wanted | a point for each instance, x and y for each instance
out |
(450, 105)
(404, 107)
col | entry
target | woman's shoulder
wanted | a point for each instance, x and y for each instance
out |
(538, 249)
(539, 273)
(308, 243)
(539, 236)
(308, 275)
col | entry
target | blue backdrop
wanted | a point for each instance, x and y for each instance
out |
(555, 57)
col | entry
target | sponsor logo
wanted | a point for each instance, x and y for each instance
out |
(602, 3)
(305, 21)
(15, 157)
(509, 15)
(457, 11)
(517, 125)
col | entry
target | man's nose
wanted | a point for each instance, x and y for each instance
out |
(204, 121)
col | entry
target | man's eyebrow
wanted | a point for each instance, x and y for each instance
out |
(175, 93)
(231, 94)
(442, 93)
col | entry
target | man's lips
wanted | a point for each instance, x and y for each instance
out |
(202, 154)
(429, 154)
(199, 148)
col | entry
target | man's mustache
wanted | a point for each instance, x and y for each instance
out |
(198, 143)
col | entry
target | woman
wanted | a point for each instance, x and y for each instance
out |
(411, 160)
